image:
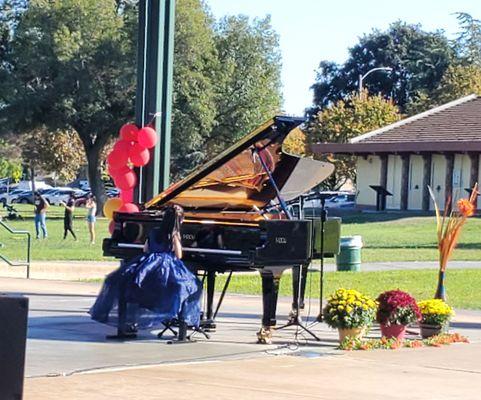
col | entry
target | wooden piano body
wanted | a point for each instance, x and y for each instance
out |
(235, 215)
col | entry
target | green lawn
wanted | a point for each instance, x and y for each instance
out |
(53, 248)
(462, 285)
(395, 237)
(387, 237)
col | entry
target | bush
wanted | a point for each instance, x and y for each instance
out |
(397, 308)
(347, 308)
(435, 312)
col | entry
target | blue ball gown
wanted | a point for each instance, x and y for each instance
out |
(157, 288)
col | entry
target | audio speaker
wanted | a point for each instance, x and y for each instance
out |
(13, 337)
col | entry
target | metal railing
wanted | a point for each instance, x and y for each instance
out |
(29, 246)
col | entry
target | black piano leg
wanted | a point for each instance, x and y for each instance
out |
(209, 323)
(270, 293)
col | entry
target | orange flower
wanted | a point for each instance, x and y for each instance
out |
(465, 207)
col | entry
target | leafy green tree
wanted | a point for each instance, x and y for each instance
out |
(418, 59)
(248, 83)
(10, 161)
(59, 152)
(458, 81)
(73, 65)
(194, 106)
(345, 120)
(468, 42)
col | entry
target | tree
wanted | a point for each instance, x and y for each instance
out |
(58, 152)
(345, 120)
(468, 42)
(73, 65)
(248, 83)
(10, 161)
(458, 81)
(418, 58)
(194, 108)
(226, 82)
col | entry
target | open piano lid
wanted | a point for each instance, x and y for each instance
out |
(235, 180)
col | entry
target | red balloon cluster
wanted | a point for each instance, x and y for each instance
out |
(131, 150)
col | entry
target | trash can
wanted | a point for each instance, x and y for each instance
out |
(349, 258)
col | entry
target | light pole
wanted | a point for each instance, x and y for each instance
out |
(362, 77)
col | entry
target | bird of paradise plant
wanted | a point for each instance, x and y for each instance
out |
(449, 228)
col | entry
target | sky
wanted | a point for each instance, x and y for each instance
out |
(314, 30)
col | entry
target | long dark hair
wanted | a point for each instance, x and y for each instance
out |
(171, 221)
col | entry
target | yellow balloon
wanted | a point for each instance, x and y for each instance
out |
(112, 205)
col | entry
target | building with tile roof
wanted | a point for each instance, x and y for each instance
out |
(440, 148)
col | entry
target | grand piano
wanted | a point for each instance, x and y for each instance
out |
(236, 217)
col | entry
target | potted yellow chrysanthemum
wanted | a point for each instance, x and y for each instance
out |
(351, 312)
(435, 317)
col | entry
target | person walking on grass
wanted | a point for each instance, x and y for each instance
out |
(91, 206)
(68, 216)
(40, 211)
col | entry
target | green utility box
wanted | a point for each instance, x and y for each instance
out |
(332, 236)
(349, 258)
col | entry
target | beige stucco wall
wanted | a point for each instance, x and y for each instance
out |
(416, 177)
(368, 173)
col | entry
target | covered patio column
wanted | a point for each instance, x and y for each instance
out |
(405, 181)
(428, 159)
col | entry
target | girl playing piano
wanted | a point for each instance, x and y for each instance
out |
(154, 288)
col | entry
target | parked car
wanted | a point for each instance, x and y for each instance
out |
(343, 200)
(61, 194)
(11, 196)
(114, 192)
(24, 198)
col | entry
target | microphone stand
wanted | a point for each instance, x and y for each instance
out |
(321, 278)
(296, 320)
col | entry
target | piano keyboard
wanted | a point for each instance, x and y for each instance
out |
(186, 249)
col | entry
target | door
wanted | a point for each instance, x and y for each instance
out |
(438, 180)
(394, 178)
(416, 176)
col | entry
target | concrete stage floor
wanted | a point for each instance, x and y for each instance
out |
(68, 357)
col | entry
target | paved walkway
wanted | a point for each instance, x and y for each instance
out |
(88, 270)
(68, 357)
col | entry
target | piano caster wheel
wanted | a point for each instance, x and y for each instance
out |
(264, 336)
(294, 317)
(208, 325)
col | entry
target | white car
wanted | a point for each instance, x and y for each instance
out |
(11, 196)
(60, 194)
(343, 200)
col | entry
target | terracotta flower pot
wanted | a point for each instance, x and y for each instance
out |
(393, 331)
(353, 333)
(428, 331)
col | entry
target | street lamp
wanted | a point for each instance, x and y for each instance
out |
(361, 76)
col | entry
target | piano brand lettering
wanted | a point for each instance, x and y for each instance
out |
(188, 236)
(281, 240)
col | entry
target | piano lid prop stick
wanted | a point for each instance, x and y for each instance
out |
(258, 210)
(273, 182)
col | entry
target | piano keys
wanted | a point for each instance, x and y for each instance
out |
(235, 214)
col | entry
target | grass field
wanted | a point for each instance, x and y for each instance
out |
(463, 286)
(54, 248)
(387, 237)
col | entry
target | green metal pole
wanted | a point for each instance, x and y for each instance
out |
(154, 89)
